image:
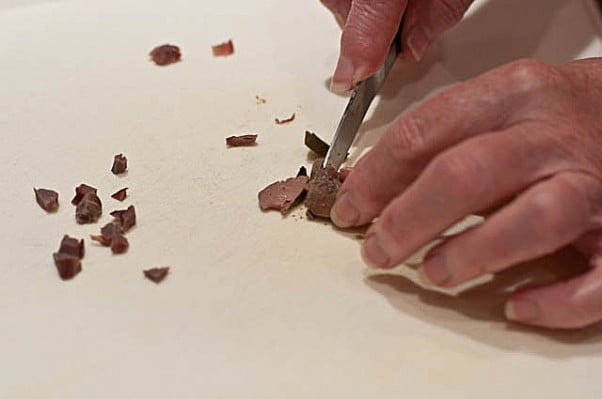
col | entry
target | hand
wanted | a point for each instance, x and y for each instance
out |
(369, 27)
(527, 135)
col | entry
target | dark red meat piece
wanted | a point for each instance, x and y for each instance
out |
(282, 195)
(121, 194)
(119, 244)
(126, 218)
(241, 141)
(80, 191)
(68, 258)
(47, 199)
(156, 274)
(321, 190)
(120, 164)
(223, 49)
(89, 209)
(165, 54)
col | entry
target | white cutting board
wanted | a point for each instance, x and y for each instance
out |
(256, 306)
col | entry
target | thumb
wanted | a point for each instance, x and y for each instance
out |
(370, 28)
(425, 20)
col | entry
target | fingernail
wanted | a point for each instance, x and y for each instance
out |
(435, 271)
(373, 253)
(342, 81)
(521, 310)
(344, 214)
(417, 42)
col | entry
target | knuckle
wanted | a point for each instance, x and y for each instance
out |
(462, 171)
(546, 210)
(407, 139)
(530, 74)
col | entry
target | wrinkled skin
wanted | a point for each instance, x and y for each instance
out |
(524, 139)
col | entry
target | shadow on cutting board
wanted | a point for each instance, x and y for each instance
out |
(478, 312)
(497, 33)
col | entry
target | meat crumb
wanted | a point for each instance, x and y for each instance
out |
(112, 235)
(322, 189)
(260, 100)
(47, 199)
(285, 121)
(89, 209)
(223, 49)
(156, 274)
(120, 164)
(68, 258)
(241, 141)
(165, 54)
(120, 195)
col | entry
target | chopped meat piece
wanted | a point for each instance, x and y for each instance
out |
(260, 100)
(302, 171)
(343, 173)
(112, 235)
(156, 274)
(223, 49)
(284, 121)
(80, 191)
(165, 54)
(316, 144)
(282, 195)
(126, 218)
(89, 209)
(68, 258)
(322, 190)
(47, 199)
(72, 246)
(120, 164)
(67, 265)
(121, 194)
(119, 244)
(241, 141)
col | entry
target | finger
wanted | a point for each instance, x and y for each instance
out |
(487, 103)
(425, 20)
(543, 219)
(369, 31)
(468, 177)
(572, 304)
(339, 8)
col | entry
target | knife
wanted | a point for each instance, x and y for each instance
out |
(356, 109)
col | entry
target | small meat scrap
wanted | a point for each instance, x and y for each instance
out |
(165, 54)
(68, 258)
(241, 141)
(120, 164)
(260, 100)
(322, 190)
(156, 274)
(121, 194)
(316, 144)
(112, 235)
(89, 209)
(47, 199)
(126, 218)
(285, 121)
(223, 49)
(343, 173)
(283, 195)
(80, 191)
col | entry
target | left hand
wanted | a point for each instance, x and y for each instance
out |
(526, 132)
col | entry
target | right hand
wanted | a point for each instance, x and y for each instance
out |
(369, 27)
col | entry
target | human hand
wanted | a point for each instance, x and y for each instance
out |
(369, 27)
(528, 133)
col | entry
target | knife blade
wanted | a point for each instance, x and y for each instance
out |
(353, 116)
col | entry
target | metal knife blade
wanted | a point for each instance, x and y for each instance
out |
(356, 109)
